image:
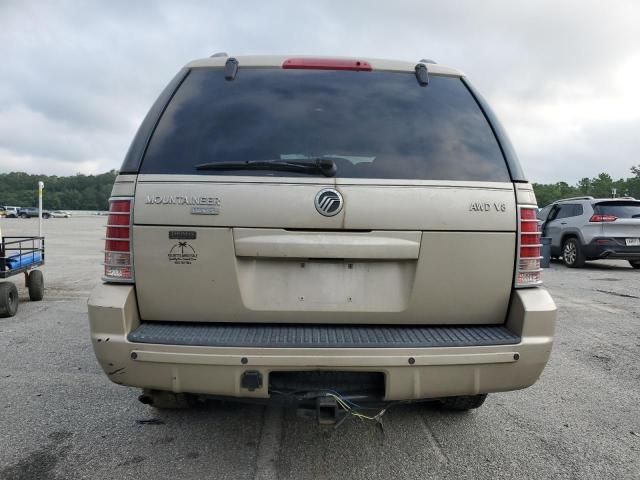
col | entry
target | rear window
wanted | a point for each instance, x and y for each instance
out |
(374, 125)
(618, 209)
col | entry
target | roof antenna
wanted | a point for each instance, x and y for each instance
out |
(422, 75)
(230, 69)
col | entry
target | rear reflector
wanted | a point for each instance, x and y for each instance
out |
(603, 218)
(326, 64)
(528, 272)
(118, 265)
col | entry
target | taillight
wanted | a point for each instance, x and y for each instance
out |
(118, 255)
(528, 271)
(603, 218)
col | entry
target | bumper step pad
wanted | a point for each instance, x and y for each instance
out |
(319, 336)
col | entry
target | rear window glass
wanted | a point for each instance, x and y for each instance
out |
(619, 209)
(373, 124)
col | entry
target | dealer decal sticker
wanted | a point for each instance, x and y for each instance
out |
(182, 253)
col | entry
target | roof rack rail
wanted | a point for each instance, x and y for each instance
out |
(219, 54)
(575, 198)
(427, 60)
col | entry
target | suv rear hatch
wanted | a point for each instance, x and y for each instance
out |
(619, 220)
(425, 233)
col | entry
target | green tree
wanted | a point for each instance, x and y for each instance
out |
(78, 192)
(599, 187)
(584, 186)
(549, 193)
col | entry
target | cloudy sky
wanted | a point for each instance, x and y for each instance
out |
(77, 77)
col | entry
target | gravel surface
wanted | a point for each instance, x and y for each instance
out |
(61, 418)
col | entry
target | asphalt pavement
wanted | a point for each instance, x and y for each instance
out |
(60, 417)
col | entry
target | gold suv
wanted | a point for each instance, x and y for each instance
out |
(295, 226)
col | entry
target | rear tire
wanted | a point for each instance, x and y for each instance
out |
(463, 403)
(24, 215)
(45, 216)
(36, 285)
(572, 255)
(634, 263)
(8, 299)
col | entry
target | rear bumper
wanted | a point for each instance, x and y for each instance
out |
(613, 248)
(411, 372)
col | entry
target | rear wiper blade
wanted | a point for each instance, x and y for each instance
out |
(326, 166)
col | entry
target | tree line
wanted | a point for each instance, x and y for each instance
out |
(78, 192)
(91, 192)
(601, 186)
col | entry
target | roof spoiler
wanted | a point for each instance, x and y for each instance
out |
(575, 198)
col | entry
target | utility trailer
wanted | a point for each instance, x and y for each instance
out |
(20, 255)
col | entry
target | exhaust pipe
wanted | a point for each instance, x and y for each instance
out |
(166, 400)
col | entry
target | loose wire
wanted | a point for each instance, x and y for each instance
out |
(347, 408)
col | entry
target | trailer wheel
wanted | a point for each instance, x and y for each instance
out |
(8, 299)
(36, 285)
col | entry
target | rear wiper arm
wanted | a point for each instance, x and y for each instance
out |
(326, 166)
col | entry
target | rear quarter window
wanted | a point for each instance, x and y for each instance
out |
(378, 124)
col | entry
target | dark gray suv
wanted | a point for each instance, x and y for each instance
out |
(587, 228)
(30, 212)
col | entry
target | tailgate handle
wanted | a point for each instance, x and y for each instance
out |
(353, 245)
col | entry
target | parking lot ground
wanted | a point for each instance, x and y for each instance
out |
(61, 418)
